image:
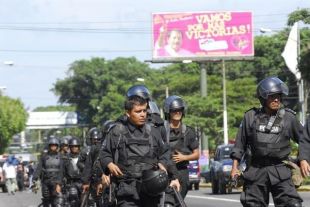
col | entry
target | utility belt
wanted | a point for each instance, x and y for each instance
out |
(73, 180)
(134, 171)
(266, 161)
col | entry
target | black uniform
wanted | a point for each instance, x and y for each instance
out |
(134, 150)
(50, 171)
(266, 148)
(184, 140)
(92, 172)
(82, 157)
(73, 179)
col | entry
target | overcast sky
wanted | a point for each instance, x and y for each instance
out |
(42, 37)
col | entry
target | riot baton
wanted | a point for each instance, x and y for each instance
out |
(162, 199)
(84, 199)
(179, 197)
(110, 193)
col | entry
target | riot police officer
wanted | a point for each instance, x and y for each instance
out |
(182, 139)
(133, 148)
(264, 138)
(92, 172)
(50, 171)
(72, 173)
(153, 117)
(94, 138)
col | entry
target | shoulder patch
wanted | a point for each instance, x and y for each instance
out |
(290, 110)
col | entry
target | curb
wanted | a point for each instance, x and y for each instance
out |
(303, 188)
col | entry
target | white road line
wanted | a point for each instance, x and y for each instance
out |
(220, 199)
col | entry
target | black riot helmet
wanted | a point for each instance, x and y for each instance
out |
(139, 90)
(94, 136)
(53, 140)
(153, 108)
(74, 141)
(154, 182)
(107, 125)
(65, 140)
(270, 86)
(174, 103)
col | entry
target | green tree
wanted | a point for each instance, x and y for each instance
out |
(13, 119)
(299, 15)
(96, 87)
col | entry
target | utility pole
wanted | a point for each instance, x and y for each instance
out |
(225, 127)
(203, 92)
(203, 80)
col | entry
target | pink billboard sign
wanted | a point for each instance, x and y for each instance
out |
(202, 36)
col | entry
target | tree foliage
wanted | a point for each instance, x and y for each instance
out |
(299, 15)
(13, 119)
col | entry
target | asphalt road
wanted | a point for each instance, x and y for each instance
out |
(201, 198)
(204, 198)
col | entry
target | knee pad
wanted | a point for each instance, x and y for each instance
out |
(59, 200)
(73, 191)
(45, 193)
(73, 194)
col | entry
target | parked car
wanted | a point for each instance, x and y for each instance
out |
(194, 174)
(220, 169)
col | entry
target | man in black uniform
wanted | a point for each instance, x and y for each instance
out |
(264, 138)
(72, 173)
(92, 172)
(182, 139)
(153, 117)
(134, 148)
(50, 171)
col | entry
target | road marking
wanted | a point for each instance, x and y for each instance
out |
(220, 199)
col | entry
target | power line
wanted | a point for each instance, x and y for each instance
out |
(72, 51)
(114, 22)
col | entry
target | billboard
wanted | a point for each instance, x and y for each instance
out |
(202, 36)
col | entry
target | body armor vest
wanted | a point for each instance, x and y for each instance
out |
(52, 165)
(136, 153)
(73, 170)
(178, 142)
(269, 139)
